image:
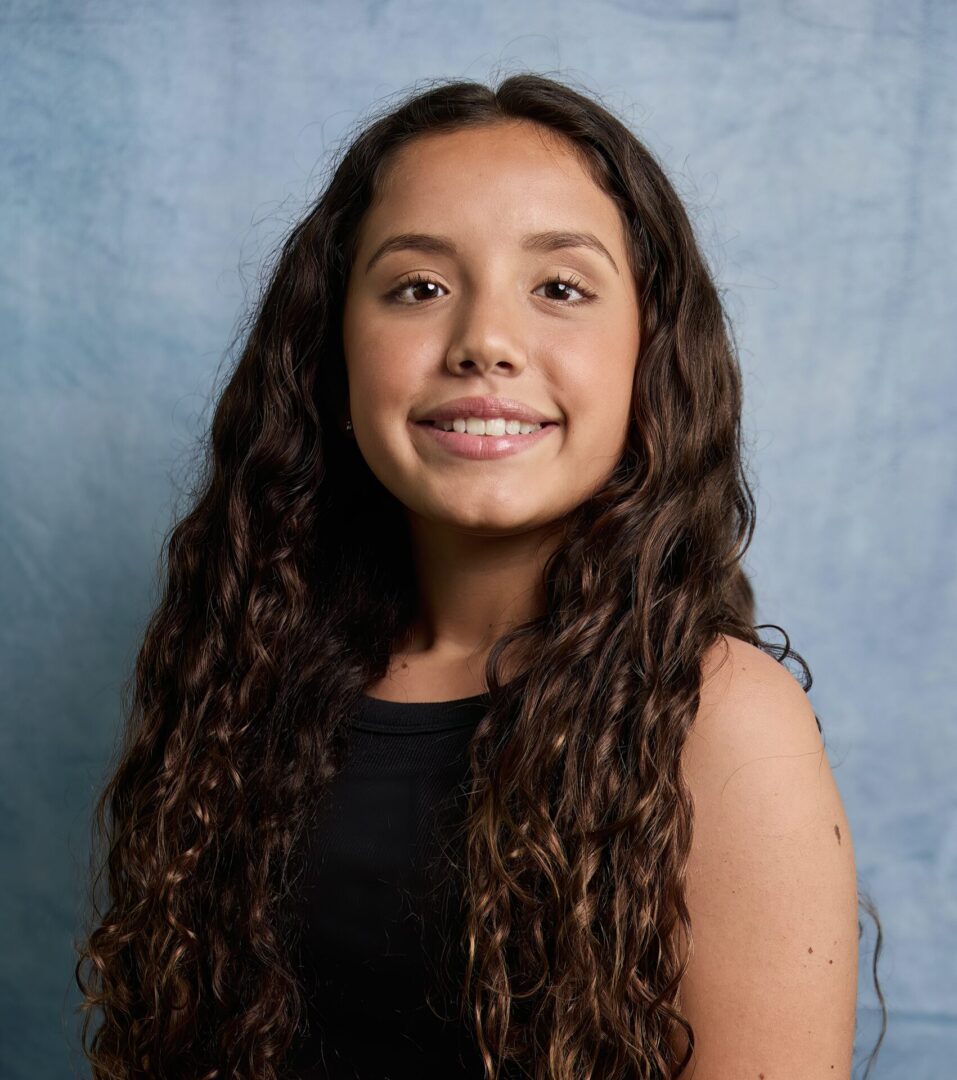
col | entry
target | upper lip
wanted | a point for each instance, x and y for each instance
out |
(484, 408)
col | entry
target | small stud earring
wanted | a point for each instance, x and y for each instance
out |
(348, 425)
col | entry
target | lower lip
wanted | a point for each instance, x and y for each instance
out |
(484, 447)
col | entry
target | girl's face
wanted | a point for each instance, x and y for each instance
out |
(455, 293)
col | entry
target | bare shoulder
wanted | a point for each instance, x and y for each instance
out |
(771, 888)
(749, 702)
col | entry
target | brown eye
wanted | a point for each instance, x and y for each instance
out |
(414, 283)
(564, 286)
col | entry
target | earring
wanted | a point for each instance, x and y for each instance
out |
(348, 425)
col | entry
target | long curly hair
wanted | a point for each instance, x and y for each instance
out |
(284, 594)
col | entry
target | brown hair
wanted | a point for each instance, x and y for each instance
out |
(282, 603)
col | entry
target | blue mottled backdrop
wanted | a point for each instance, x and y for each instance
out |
(152, 155)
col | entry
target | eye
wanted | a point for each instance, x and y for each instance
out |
(411, 283)
(571, 282)
(417, 280)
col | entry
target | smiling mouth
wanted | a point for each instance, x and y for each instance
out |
(538, 424)
(477, 446)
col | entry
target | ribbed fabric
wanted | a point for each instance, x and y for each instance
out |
(380, 917)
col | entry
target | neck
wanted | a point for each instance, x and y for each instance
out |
(472, 589)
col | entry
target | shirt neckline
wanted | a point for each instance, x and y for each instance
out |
(400, 717)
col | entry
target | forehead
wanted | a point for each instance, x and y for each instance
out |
(495, 180)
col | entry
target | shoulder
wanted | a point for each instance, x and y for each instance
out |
(771, 885)
(749, 704)
(754, 731)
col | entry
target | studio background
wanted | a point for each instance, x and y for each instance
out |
(152, 157)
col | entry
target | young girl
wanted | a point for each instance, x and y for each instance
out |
(453, 747)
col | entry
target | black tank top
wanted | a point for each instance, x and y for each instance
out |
(380, 958)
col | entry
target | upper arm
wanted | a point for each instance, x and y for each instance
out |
(771, 985)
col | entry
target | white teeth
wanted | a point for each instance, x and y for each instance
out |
(472, 425)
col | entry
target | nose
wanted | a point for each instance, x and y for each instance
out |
(487, 339)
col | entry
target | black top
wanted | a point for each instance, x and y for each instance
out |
(381, 927)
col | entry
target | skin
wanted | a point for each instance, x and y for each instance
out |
(771, 988)
(494, 324)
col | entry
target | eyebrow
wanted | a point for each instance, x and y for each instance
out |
(552, 240)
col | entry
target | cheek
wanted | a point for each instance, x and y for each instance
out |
(383, 364)
(598, 381)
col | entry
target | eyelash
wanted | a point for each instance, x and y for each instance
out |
(421, 279)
